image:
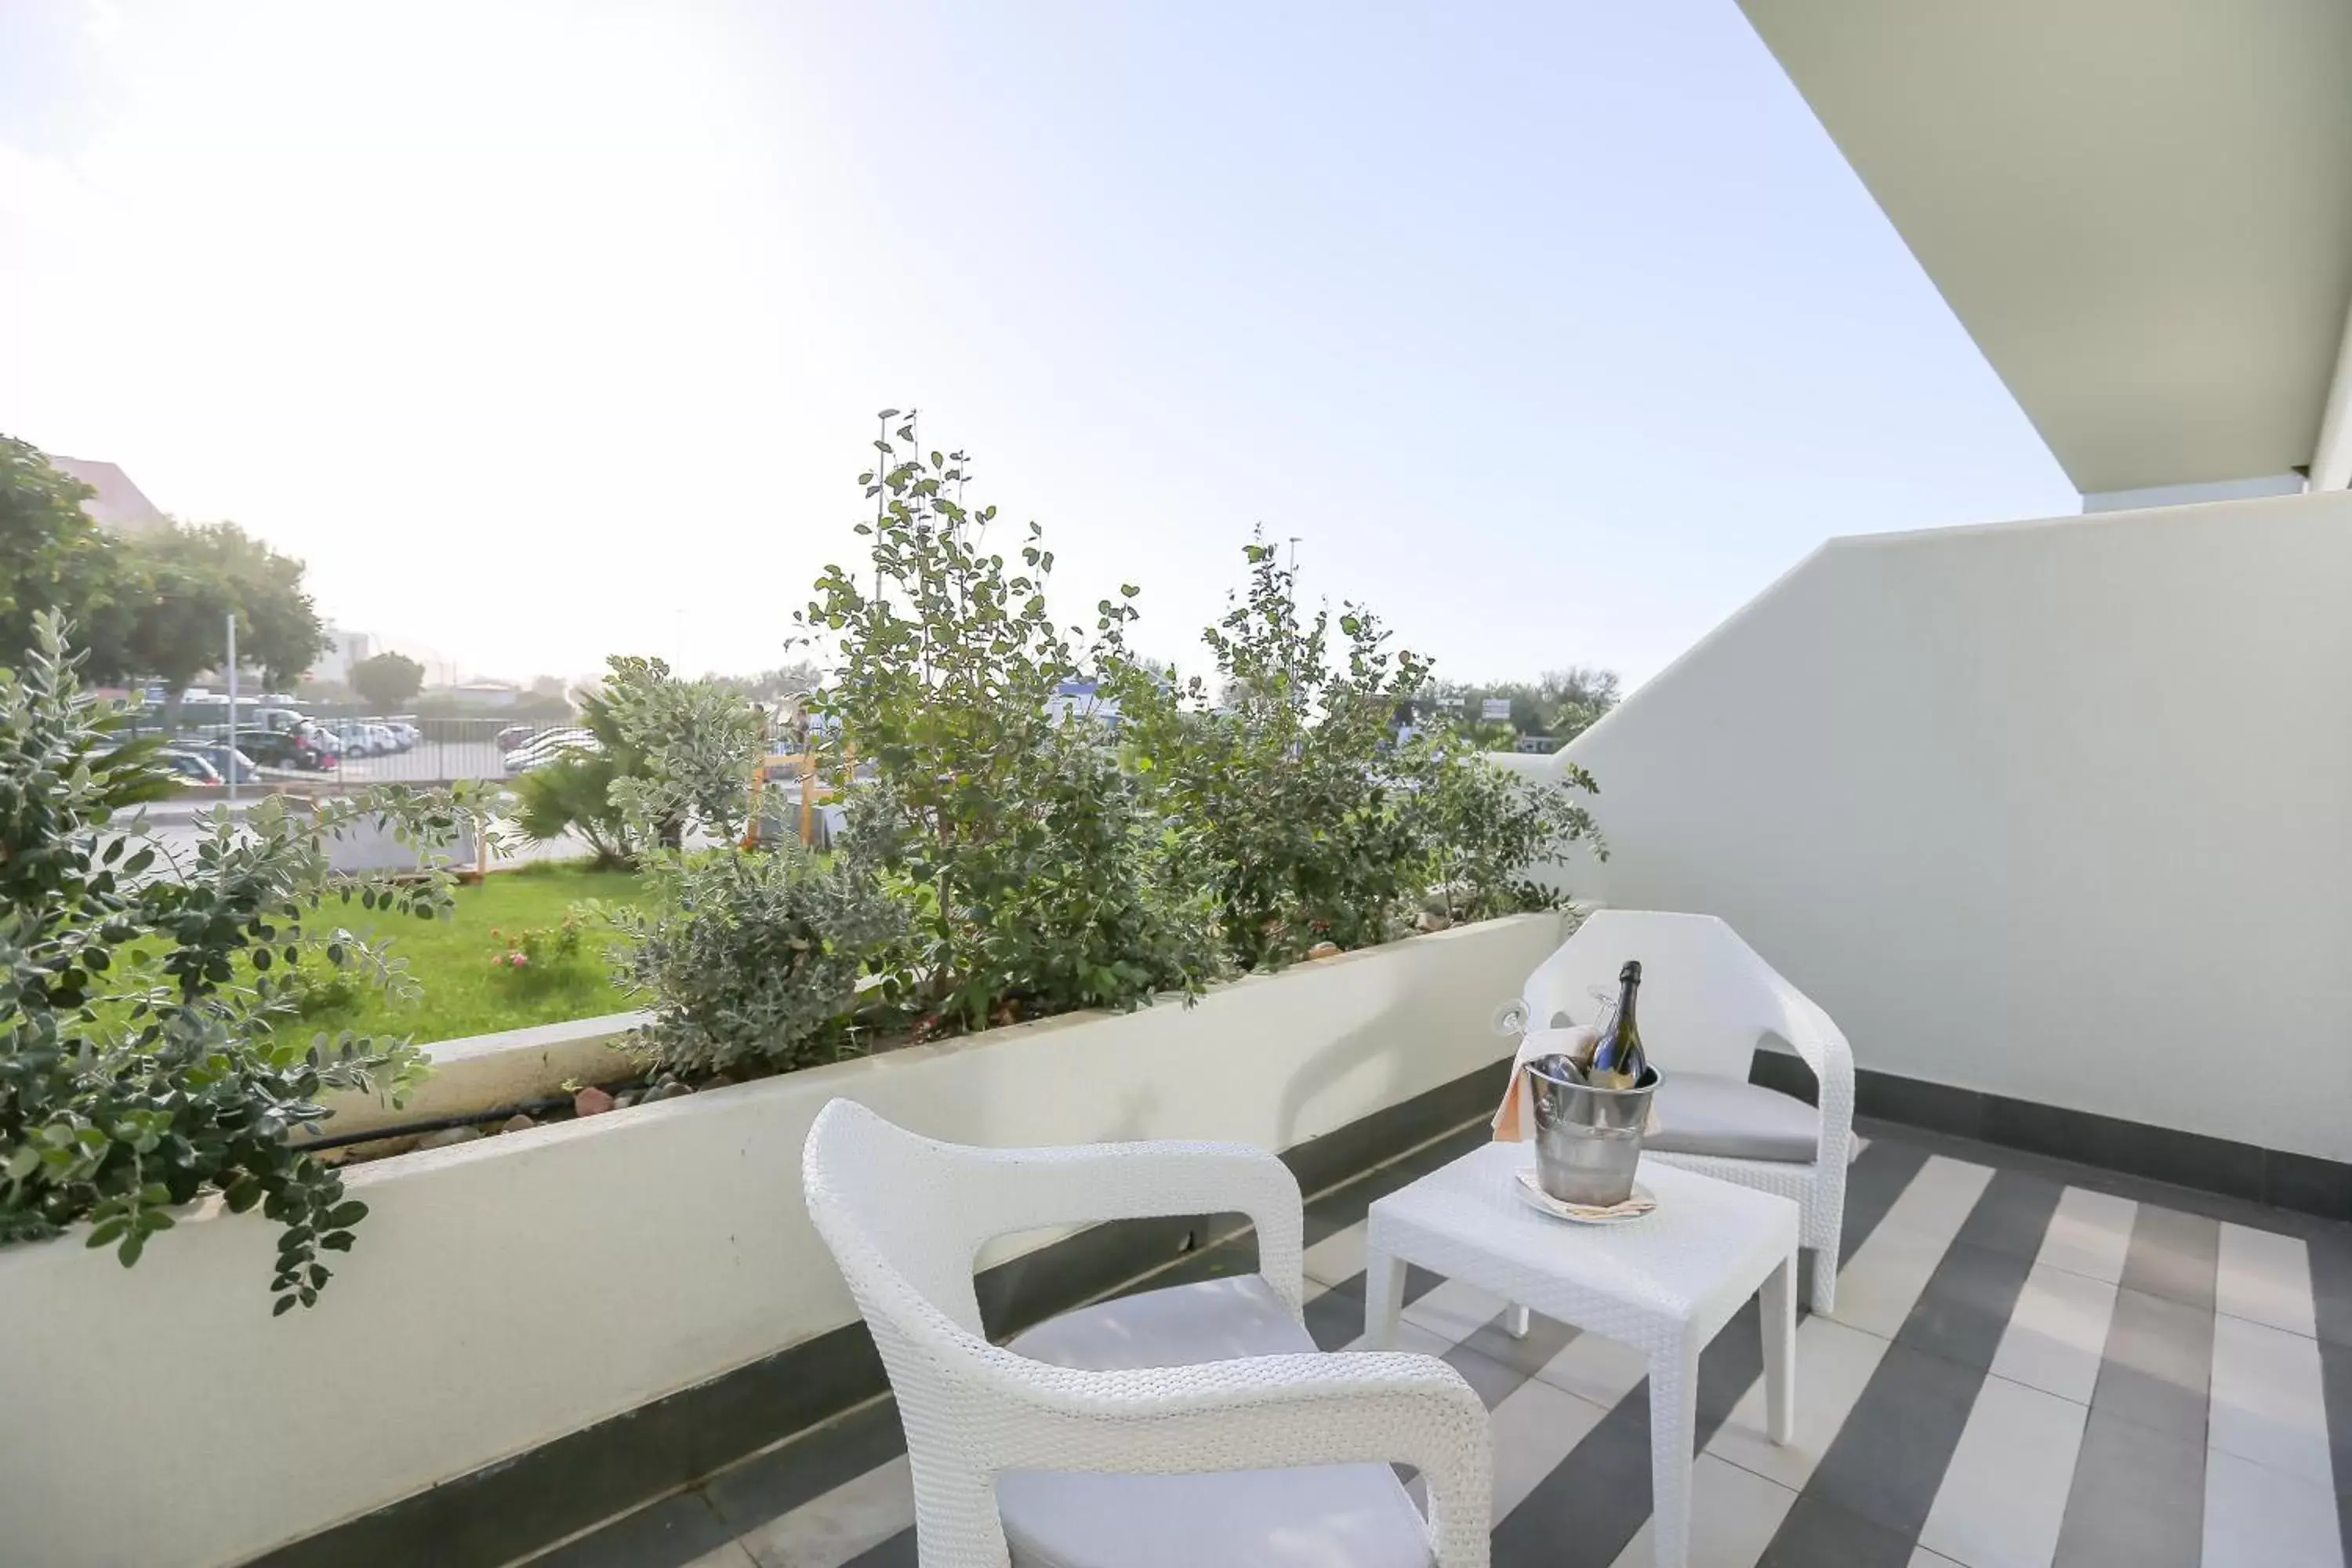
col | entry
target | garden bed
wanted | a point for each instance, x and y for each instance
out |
(464, 993)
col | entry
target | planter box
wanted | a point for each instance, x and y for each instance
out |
(480, 1072)
(508, 1291)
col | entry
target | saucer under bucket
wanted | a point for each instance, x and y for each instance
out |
(1588, 1139)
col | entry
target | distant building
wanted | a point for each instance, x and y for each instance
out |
(344, 650)
(487, 693)
(120, 505)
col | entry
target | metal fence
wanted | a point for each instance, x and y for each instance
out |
(330, 754)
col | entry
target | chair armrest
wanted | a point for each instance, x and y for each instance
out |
(1824, 1048)
(1027, 1189)
(1263, 1413)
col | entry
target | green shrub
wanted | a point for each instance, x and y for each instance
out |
(1487, 830)
(1290, 776)
(1304, 812)
(1046, 882)
(148, 1044)
(574, 794)
(752, 957)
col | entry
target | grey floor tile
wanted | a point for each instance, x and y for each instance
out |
(2139, 1498)
(2013, 1216)
(1818, 1534)
(767, 1485)
(670, 1534)
(899, 1551)
(1872, 1184)
(1966, 1306)
(1583, 1513)
(1335, 1319)
(2158, 1365)
(1528, 1357)
(2335, 1388)
(1493, 1380)
(2331, 1283)
(840, 1525)
(2174, 1255)
(1889, 1459)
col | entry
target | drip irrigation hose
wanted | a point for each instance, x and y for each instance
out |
(443, 1123)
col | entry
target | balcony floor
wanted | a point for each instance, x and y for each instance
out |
(2031, 1363)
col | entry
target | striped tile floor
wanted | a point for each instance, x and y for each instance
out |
(2031, 1363)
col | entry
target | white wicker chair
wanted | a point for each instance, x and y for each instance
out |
(906, 1217)
(1706, 1000)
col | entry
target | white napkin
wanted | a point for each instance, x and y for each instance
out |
(1515, 1118)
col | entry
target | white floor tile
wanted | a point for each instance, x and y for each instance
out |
(1338, 1258)
(829, 1530)
(1877, 1289)
(2265, 1277)
(2004, 1494)
(2256, 1517)
(2057, 1332)
(1601, 1370)
(1409, 1336)
(2089, 1235)
(1454, 1311)
(731, 1555)
(1733, 1517)
(1833, 1366)
(1938, 1200)
(1923, 1558)
(2266, 1400)
(1535, 1427)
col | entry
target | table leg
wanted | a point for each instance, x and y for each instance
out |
(1674, 1426)
(1515, 1322)
(1778, 1300)
(1384, 1300)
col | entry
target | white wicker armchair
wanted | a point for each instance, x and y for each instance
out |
(1706, 1000)
(906, 1217)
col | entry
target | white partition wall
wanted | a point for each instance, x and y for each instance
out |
(2060, 810)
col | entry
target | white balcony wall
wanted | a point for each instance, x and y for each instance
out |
(505, 1292)
(2060, 810)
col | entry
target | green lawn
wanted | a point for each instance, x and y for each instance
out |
(464, 993)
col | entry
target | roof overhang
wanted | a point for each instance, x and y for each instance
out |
(2140, 209)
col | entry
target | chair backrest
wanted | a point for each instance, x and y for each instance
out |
(1706, 998)
(894, 1208)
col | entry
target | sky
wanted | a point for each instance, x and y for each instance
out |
(546, 330)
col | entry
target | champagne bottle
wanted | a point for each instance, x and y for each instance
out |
(1617, 1058)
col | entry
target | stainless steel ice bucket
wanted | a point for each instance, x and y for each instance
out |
(1588, 1140)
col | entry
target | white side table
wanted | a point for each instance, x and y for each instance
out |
(1666, 1283)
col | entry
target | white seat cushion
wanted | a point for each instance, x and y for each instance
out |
(1322, 1516)
(1701, 1113)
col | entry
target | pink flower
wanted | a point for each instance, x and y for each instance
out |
(517, 958)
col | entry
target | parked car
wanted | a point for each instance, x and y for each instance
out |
(224, 760)
(514, 736)
(548, 747)
(308, 750)
(358, 737)
(189, 767)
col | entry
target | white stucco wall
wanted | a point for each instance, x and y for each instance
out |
(2061, 810)
(507, 1291)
